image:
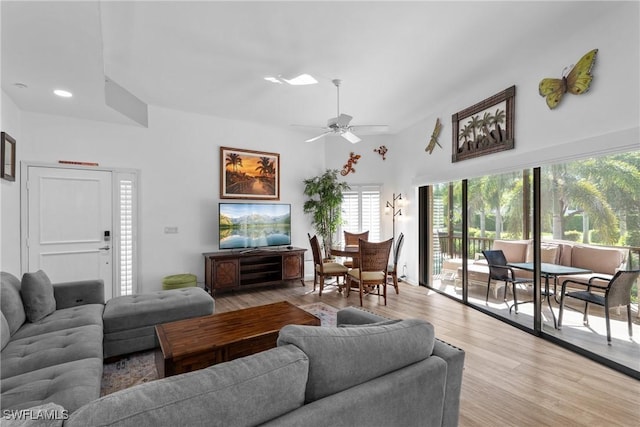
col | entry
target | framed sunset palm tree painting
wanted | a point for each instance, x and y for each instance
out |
(248, 174)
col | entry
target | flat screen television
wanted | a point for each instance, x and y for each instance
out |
(254, 225)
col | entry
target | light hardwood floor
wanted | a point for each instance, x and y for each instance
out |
(511, 378)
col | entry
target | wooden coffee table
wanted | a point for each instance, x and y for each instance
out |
(191, 344)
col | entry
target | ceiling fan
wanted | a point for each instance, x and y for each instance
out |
(339, 125)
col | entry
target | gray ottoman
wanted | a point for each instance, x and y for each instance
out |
(129, 321)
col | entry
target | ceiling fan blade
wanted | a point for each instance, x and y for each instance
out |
(317, 137)
(364, 129)
(351, 137)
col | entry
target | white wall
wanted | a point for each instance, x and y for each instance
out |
(10, 192)
(606, 119)
(178, 159)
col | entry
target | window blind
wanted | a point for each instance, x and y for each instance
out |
(126, 234)
(361, 211)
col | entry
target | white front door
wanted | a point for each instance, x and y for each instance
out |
(69, 224)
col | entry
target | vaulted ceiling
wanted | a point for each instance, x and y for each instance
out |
(396, 59)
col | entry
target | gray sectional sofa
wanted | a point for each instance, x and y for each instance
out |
(369, 371)
(387, 373)
(55, 336)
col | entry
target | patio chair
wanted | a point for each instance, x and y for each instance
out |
(322, 269)
(500, 271)
(372, 274)
(615, 293)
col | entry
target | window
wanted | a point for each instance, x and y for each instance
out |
(361, 211)
(125, 233)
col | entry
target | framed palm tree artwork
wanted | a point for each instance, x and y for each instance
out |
(247, 174)
(484, 128)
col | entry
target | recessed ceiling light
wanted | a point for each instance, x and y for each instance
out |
(273, 80)
(63, 93)
(302, 79)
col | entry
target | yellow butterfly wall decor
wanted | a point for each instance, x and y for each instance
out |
(576, 82)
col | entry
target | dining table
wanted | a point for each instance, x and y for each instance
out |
(347, 251)
(550, 270)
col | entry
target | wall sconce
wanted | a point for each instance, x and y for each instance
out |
(390, 207)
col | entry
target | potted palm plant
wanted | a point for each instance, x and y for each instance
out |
(325, 197)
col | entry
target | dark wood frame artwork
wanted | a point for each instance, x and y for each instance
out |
(256, 169)
(488, 140)
(7, 165)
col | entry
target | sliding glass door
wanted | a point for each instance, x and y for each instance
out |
(445, 255)
(591, 220)
(560, 221)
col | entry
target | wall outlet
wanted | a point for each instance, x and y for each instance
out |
(171, 230)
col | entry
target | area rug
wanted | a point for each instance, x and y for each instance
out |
(138, 368)
(325, 312)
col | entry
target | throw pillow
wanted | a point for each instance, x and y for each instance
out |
(37, 295)
(11, 301)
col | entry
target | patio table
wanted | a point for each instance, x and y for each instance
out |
(550, 270)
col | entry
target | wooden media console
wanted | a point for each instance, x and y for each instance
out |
(234, 270)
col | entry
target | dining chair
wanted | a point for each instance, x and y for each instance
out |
(500, 271)
(393, 268)
(352, 239)
(322, 269)
(615, 293)
(373, 270)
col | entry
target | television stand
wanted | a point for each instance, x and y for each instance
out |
(225, 271)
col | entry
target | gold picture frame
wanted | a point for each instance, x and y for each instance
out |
(248, 174)
(478, 130)
(7, 157)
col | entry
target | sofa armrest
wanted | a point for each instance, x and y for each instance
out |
(454, 357)
(71, 294)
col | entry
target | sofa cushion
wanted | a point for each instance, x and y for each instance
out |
(37, 295)
(71, 385)
(340, 358)
(5, 333)
(11, 301)
(564, 257)
(40, 351)
(514, 250)
(549, 252)
(597, 259)
(244, 392)
(65, 318)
